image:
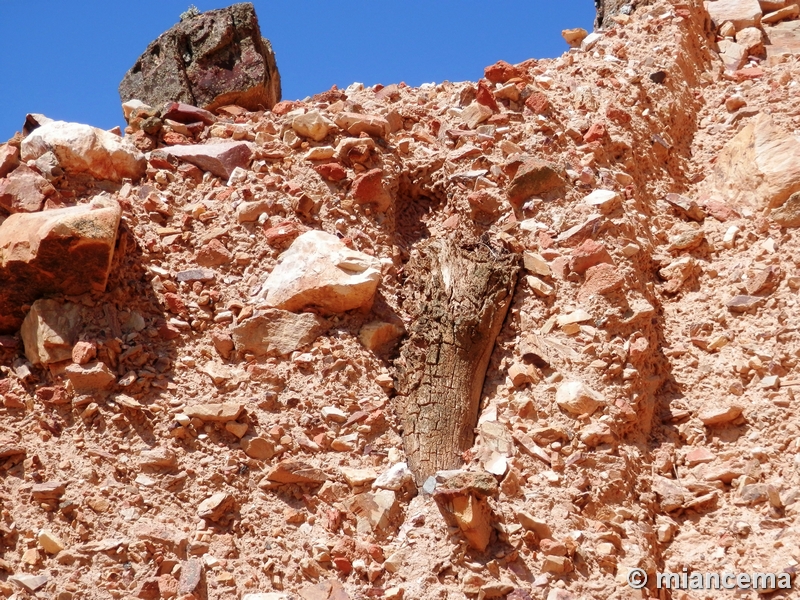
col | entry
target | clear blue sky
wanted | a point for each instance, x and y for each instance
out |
(65, 58)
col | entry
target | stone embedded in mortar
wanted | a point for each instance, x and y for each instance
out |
(210, 60)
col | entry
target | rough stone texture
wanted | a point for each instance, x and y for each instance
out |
(90, 378)
(534, 178)
(788, 215)
(50, 330)
(219, 158)
(278, 332)
(759, 167)
(319, 270)
(24, 190)
(577, 398)
(9, 159)
(211, 60)
(82, 148)
(458, 303)
(66, 251)
(741, 13)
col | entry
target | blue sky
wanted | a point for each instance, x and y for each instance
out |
(66, 58)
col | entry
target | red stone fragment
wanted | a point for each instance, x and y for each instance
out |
(368, 189)
(589, 254)
(175, 304)
(538, 103)
(186, 113)
(486, 97)
(601, 279)
(595, 134)
(331, 171)
(501, 72)
(282, 234)
(285, 106)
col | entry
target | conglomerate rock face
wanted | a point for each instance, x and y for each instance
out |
(216, 58)
(513, 338)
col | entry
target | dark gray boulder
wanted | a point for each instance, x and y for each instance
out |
(210, 60)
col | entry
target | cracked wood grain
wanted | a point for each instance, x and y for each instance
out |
(459, 291)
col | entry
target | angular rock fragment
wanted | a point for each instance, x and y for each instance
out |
(311, 125)
(296, 471)
(67, 250)
(357, 123)
(378, 334)
(534, 178)
(318, 270)
(377, 509)
(462, 500)
(720, 415)
(258, 448)
(743, 303)
(29, 583)
(49, 331)
(228, 411)
(24, 190)
(577, 398)
(209, 60)
(91, 377)
(216, 507)
(280, 332)
(85, 149)
(788, 215)
(740, 13)
(218, 158)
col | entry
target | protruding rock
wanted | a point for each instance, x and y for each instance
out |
(50, 330)
(577, 398)
(574, 37)
(296, 471)
(210, 60)
(216, 507)
(368, 188)
(89, 378)
(356, 124)
(24, 190)
(740, 13)
(219, 158)
(534, 178)
(318, 270)
(9, 159)
(759, 167)
(66, 251)
(50, 542)
(277, 331)
(227, 411)
(311, 125)
(85, 149)
(462, 500)
(378, 334)
(720, 415)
